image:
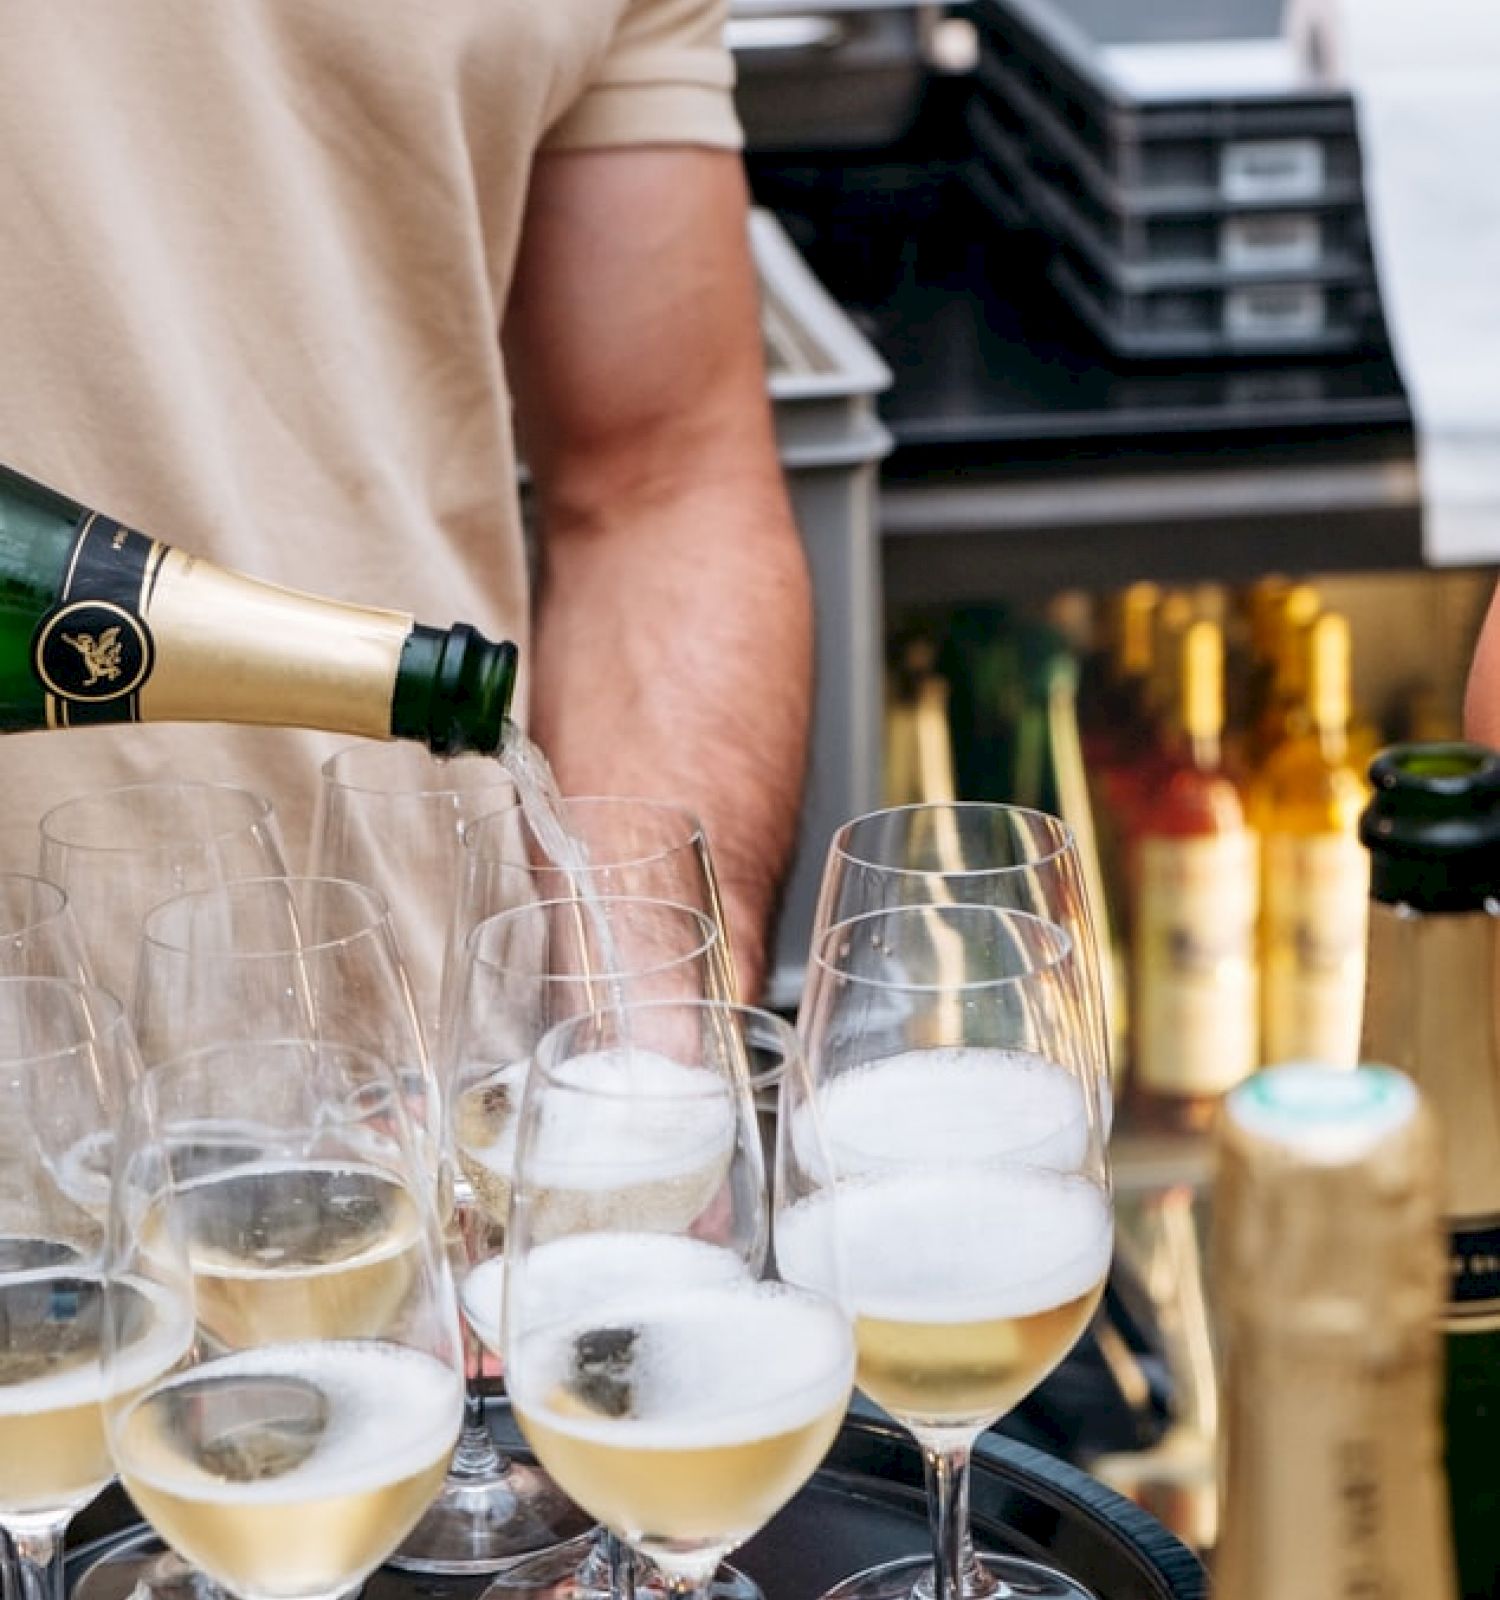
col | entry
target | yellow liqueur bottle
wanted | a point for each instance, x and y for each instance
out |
(1306, 802)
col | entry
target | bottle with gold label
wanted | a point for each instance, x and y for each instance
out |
(1328, 1267)
(1305, 803)
(100, 624)
(1432, 1008)
(1196, 1013)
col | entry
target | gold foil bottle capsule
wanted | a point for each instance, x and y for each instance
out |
(1329, 1277)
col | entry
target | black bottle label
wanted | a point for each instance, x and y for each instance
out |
(1474, 1262)
(93, 650)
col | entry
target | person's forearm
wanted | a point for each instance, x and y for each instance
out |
(1482, 702)
(673, 659)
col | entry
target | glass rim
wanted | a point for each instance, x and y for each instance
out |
(262, 812)
(389, 748)
(1067, 840)
(544, 1057)
(95, 1004)
(695, 832)
(1055, 961)
(515, 914)
(50, 890)
(378, 916)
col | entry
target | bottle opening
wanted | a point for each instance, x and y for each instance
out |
(1301, 1103)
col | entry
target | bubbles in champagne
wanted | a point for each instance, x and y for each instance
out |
(384, 1413)
(703, 1368)
(967, 1245)
(955, 1104)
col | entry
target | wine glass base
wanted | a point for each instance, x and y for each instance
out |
(482, 1524)
(989, 1577)
(579, 1572)
(143, 1570)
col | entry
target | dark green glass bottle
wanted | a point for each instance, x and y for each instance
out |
(100, 624)
(1432, 992)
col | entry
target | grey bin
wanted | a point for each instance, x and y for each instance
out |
(824, 377)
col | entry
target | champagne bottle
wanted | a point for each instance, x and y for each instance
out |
(1306, 803)
(1328, 1267)
(101, 624)
(1196, 1017)
(1433, 832)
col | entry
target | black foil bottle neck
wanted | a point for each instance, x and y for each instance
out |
(1433, 827)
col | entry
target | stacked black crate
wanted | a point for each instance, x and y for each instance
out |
(1201, 187)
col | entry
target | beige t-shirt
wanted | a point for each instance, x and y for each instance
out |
(255, 258)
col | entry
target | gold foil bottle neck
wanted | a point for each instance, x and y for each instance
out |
(1329, 664)
(1137, 610)
(1202, 692)
(1329, 1274)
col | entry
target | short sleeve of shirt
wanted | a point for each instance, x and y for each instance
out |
(666, 78)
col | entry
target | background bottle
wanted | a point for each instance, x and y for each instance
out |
(1433, 832)
(1328, 1268)
(100, 624)
(1196, 1016)
(1305, 802)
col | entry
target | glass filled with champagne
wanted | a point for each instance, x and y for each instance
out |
(319, 1392)
(952, 1075)
(663, 1372)
(66, 1061)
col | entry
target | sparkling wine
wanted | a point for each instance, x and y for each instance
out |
(685, 1419)
(291, 1470)
(289, 1251)
(968, 1284)
(53, 1453)
(960, 1103)
(648, 1152)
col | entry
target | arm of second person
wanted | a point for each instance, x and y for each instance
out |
(673, 632)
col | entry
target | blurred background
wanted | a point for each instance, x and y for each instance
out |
(1091, 322)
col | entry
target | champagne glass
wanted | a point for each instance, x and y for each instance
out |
(392, 816)
(622, 846)
(973, 853)
(282, 958)
(66, 1058)
(522, 971)
(121, 851)
(952, 1064)
(659, 1368)
(39, 937)
(318, 1390)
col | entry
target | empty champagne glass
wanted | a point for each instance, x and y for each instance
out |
(392, 816)
(39, 937)
(318, 1393)
(66, 1060)
(283, 958)
(657, 1365)
(119, 852)
(952, 1062)
(629, 846)
(973, 853)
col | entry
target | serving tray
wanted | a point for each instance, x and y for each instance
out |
(864, 1505)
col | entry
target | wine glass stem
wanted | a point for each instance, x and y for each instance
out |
(38, 1566)
(621, 1568)
(475, 1455)
(947, 1470)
